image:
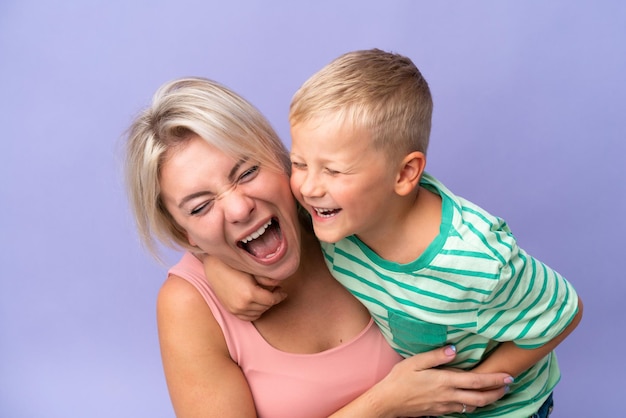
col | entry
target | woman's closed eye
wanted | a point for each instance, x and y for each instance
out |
(246, 176)
(202, 208)
(249, 174)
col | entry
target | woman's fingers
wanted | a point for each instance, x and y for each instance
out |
(479, 389)
(481, 381)
(433, 358)
(455, 387)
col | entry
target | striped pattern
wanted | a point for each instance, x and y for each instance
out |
(472, 287)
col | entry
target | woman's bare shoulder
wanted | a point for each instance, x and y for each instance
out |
(175, 290)
(180, 305)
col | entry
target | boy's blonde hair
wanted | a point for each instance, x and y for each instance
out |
(381, 92)
(181, 109)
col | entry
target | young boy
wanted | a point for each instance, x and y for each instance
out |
(432, 268)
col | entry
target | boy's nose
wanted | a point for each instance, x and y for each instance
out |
(311, 186)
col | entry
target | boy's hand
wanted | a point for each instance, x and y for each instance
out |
(245, 296)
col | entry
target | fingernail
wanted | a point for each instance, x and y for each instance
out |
(450, 350)
(507, 389)
(509, 380)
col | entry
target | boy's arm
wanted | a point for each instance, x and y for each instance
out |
(245, 296)
(511, 359)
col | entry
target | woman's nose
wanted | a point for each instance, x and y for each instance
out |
(237, 206)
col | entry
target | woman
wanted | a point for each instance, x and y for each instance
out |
(207, 173)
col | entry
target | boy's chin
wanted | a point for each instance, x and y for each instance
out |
(325, 235)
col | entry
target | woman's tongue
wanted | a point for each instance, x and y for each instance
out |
(265, 245)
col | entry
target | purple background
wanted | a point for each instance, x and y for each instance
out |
(529, 123)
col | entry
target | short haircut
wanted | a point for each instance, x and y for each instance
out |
(381, 92)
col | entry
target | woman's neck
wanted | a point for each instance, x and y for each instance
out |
(311, 263)
(318, 313)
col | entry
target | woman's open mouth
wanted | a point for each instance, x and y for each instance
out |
(265, 242)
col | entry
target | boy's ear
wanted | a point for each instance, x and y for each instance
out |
(411, 170)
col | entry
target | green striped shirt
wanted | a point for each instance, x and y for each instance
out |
(473, 287)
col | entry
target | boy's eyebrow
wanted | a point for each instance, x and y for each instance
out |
(231, 178)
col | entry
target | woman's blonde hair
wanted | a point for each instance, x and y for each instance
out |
(181, 109)
(381, 92)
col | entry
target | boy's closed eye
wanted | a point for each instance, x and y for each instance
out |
(332, 172)
(298, 165)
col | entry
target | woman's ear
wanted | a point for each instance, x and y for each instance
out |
(410, 172)
(191, 241)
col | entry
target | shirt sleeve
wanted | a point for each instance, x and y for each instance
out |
(529, 305)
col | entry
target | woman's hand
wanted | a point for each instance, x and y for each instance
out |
(245, 296)
(415, 388)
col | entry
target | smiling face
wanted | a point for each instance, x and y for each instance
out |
(340, 178)
(234, 209)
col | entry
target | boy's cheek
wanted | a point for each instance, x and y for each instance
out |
(294, 182)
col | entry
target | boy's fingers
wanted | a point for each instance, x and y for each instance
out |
(272, 294)
(248, 317)
(266, 282)
(268, 298)
(279, 295)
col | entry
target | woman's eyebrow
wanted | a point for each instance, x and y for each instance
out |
(191, 197)
(231, 176)
(233, 171)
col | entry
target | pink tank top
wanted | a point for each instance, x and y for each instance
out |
(295, 385)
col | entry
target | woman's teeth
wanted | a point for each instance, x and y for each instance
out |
(257, 233)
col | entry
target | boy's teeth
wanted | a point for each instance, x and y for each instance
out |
(325, 213)
(257, 233)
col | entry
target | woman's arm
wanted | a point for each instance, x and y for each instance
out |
(415, 388)
(412, 388)
(202, 379)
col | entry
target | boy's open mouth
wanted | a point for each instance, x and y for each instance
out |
(326, 213)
